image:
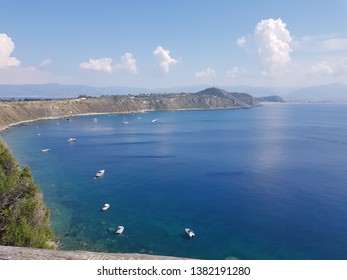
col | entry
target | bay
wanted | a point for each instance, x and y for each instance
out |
(262, 183)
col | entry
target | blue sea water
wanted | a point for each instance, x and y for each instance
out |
(264, 183)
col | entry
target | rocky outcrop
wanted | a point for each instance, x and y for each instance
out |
(22, 253)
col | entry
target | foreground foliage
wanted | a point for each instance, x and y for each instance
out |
(24, 219)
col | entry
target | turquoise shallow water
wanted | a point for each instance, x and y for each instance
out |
(262, 183)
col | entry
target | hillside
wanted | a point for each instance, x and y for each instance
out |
(271, 98)
(24, 219)
(13, 112)
(337, 92)
(332, 92)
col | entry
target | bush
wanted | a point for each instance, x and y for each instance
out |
(24, 218)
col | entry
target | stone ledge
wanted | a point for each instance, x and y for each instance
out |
(22, 253)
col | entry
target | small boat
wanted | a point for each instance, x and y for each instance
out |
(124, 121)
(45, 150)
(70, 140)
(105, 207)
(120, 230)
(154, 120)
(190, 233)
(100, 173)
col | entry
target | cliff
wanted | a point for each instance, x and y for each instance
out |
(14, 112)
(24, 218)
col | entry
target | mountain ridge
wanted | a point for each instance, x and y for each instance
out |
(53, 91)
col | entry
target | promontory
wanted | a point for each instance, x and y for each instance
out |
(18, 111)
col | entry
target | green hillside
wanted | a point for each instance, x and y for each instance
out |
(24, 219)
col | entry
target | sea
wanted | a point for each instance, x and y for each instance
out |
(266, 183)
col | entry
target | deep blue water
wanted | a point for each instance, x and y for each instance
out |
(263, 183)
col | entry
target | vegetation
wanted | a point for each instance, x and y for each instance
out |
(16, 112)
(24, 219)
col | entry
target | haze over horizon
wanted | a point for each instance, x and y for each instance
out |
(150, 45)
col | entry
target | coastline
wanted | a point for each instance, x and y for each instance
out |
(27, 253)
(18, 113)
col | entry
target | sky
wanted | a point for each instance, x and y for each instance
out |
(155, 44)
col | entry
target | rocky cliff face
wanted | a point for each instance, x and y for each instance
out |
(13, 112)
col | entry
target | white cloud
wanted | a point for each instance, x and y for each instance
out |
(234, 72)
(324, 68)
(206, 73)
(321, 69)
(323, 43)
(334, 44)
(342, 66)
(128, 63)
(165, 59)
(30, 75)
(6, 48)
(45, 62)
(272, 41)
(102, 64)
(241, 42)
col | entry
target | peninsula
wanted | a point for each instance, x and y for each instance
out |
(16, 112)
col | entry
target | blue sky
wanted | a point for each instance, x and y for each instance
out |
(156, 43)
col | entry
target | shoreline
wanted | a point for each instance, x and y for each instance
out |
(23, 122)
(28, 253)
(16, 114)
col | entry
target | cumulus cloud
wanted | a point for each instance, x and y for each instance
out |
(128, 63)
(234, 72)
(165, 59)
(241, 42)
(321, 69)
(325, 68)
(102, 64)
(6, 48)
(206, 73)
(45, 62)
(271, 40)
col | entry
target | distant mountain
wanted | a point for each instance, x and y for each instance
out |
(262, 91)
(69, 91)
(61, 91)
(330, 92)
(271, 98)
(234, 98)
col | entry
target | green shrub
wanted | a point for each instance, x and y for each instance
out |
(24, 219)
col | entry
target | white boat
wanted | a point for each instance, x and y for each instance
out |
(45, 150)
(190, 233)
(100, 173)
(124, 121)
(105, 207)
(154, 120)
(71, 140)
(120, 230)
